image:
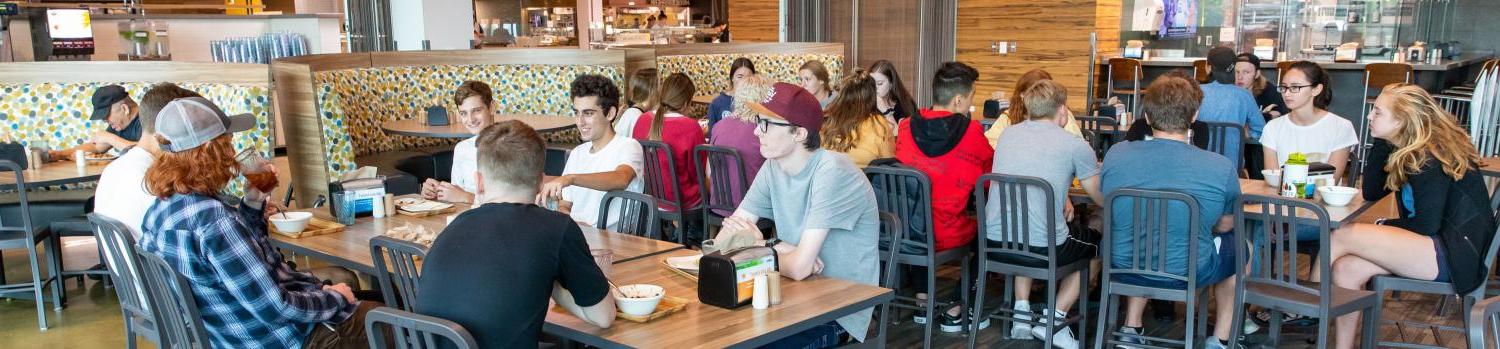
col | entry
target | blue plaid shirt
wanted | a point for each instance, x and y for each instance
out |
(248, 296)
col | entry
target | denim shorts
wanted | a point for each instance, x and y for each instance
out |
(1206, 277)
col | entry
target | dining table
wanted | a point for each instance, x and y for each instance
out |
(55, 173)
(418, 127)
(1338, 215)
(1490, 166)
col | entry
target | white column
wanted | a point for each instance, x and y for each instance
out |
(445, 24)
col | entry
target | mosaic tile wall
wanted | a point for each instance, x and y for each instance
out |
(353, 103)
(710, 73)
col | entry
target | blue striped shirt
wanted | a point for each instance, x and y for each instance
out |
(248, 296)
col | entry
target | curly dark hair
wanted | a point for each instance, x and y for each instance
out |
(590, 85)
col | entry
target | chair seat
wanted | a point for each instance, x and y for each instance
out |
(1288, 300)
(1039, 273)
(942, 257)
(1384, 283)
(17, 239)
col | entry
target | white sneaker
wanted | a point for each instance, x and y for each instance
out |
(1020, 330)
(1063, 339)
(1251, 327)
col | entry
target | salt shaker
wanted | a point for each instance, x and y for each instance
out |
(390, 204)
(377, 206)
(760, 298)
(79, 160)
(775, 286)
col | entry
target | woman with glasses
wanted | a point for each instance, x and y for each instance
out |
(1310, 128)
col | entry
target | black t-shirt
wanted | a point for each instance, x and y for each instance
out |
(132, 132)
(492, 271)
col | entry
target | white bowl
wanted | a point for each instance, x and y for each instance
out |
(1272, 177)
(1337, 196)
(291, 222)
(631, 304)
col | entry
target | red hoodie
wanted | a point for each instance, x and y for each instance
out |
(952, 164)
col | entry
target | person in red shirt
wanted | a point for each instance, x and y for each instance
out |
(682, 133)
(948, 146)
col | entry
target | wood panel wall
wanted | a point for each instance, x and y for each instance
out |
(755, 20)
(1051, 35)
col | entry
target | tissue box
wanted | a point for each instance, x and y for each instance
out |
(727, 279)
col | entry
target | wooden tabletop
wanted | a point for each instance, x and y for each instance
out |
(806, 303)
(705, 99)
(351, 248)
(1490, 166)
(1337, 215)
(55, 173)
(417, 127)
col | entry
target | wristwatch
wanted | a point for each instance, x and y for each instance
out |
(773, 242)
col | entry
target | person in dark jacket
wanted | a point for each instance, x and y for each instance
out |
(1445, 225)
(1247, 75)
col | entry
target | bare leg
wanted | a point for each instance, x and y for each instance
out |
(1224, 305)
(1067, 292)
(1351, 272)
(1135, 308)
(1023, 289)
(1362, 251)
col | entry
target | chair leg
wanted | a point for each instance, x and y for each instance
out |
(1049, 314)
(1009, 300)
(931, 306)
(1190, 327)
(1371, 327)
(1275, 334)
(36, 288)
(130, 333)
(1323, 325)
(978, 304)
(1111, 307)
(55, 272)
(1082, 310)
(966, 307)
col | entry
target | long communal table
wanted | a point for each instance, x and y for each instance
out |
(54, 173)
(1337, 215)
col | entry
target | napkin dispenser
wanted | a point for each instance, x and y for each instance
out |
(364, 191)
(1320, 174)
(1346, 53)
(727, 279)
(437, 116)
(1134, 49)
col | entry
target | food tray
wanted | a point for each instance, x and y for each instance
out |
(681, 272)
(315, 227)
(667, 306)
(428, 213)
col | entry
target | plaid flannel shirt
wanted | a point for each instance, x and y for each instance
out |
(248, 296)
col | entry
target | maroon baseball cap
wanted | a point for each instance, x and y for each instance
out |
(793, 104)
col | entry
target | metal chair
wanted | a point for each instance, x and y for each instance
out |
(1149, 216)
(124, 266)
(1272, 282)
(907, 193)
(1012, 204)
(27, 236)
(178, 320)
(414, 331)
(1484, 315)
(1126, 70)
(1382, 283)
(1200, 71)
(723, 190)
(1102, 132)
(1377, 76)
(637, 214)
(556, 160)
(399, 279)
(890, 225)
(663, 186)
(1221, 135)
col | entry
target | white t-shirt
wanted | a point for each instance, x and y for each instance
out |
(626, 124)
(465, 155)
(621, 150)
(122, 189)
(1318, 140)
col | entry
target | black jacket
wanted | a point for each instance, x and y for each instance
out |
(1456, 211)
(1139, 130)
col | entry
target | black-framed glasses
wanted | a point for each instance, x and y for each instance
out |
(764, 124)
(1291, 88)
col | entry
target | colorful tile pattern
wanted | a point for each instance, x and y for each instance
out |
(710, 72)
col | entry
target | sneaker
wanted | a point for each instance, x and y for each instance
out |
(1063, 339)
(1133, 340)
(1021, 330)
(1214, 343)
(952, 324)
(1251, 327)
(1287, 319)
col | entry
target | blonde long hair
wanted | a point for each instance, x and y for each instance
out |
(1427, 132)
(854, 105)
(673, 95)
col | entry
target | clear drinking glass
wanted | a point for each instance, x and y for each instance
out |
(256, 170)
(346, 207)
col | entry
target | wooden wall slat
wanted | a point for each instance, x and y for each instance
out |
(296, 96)
(755, 20)
(1052, 35)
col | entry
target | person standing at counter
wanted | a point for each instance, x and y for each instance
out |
(892, 98)
(638, 98)
(1247, 76)
(115, 107)
(1224, 102)
(723, 105)
(813, 77)
(1310, 128)
(476, 104)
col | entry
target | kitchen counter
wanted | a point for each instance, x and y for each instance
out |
(1447, 64)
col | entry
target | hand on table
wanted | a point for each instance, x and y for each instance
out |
(1270, 109)
(818, 267)
(430, 189)
(736, 224)
(343, 290)
(552, 190)
(448, 192)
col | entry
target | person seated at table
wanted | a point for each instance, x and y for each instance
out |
(1445, 223)
(1224, 102)
(1017, 114)
(476, 102)
(823, 208)
(247, 294)
(948, 146)
(604, 161)
(493, 269)
(638, 94)
(1247, 76)
(1040, 147)
(1310, 128)
(892, 99)
(1168, 162)
(854, 127)
(737, 131)
(121, 181)
(813, 77)
(113, 105)
(722, 107)
(1197, 131)
(669, 125)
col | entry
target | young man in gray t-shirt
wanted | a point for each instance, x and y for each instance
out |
(822, 204)
(1039, 147)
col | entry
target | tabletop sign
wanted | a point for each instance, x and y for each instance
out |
(9, 9)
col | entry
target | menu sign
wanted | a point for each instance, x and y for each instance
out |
(9, 9)
(1179, 19)
(72, 32)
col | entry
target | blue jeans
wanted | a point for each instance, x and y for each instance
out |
(821, 336)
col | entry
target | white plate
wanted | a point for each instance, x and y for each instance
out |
(685, 263)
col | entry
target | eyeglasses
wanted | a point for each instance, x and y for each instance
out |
(764, 124)
(1291, 88)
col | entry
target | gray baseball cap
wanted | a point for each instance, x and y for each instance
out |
(190, 122)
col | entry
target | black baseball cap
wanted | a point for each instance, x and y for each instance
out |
(105, 97)
(1221, 58)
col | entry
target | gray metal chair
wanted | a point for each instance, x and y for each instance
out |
(1012, 201)
(890, 225)
(124, 266)
(1381, 284)
(26, 235)
(1272, 282)
(414, 331)
(719, 190)
(1221, 135)
(907, 193)
(1149, 216)
(663, 186)
(1484, 321)
(556, 160)
(1122, 71)
(1102, 132)
(638, 214)
(399, 278)
(178, 320)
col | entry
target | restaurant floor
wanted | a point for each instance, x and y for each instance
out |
(92, 318)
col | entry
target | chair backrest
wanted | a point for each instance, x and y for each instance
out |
(1094, 128)
(1377, 75)
(1275, 244)
(124, 266)
(1009, 207)
(396, 268)
(661, 178)
(25, 213)
(1125, 71)
(414, 331)
(906, 193)
(178, 320)
(1221, 135)
(1484, 322)
(556, 160)
(987, 123)
(1281, 68)
(1200, 70)
(722, 180)
(1149, 237)
(637, 214)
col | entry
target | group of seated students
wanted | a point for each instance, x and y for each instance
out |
(495, 277)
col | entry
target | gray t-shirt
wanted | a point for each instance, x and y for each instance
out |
(829, 193)
(1040, 149)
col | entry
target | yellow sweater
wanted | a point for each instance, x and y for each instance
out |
(993, 134)
(875, 141)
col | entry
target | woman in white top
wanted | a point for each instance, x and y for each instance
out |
(1309, 128)
(476, 102)
(638, 98)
